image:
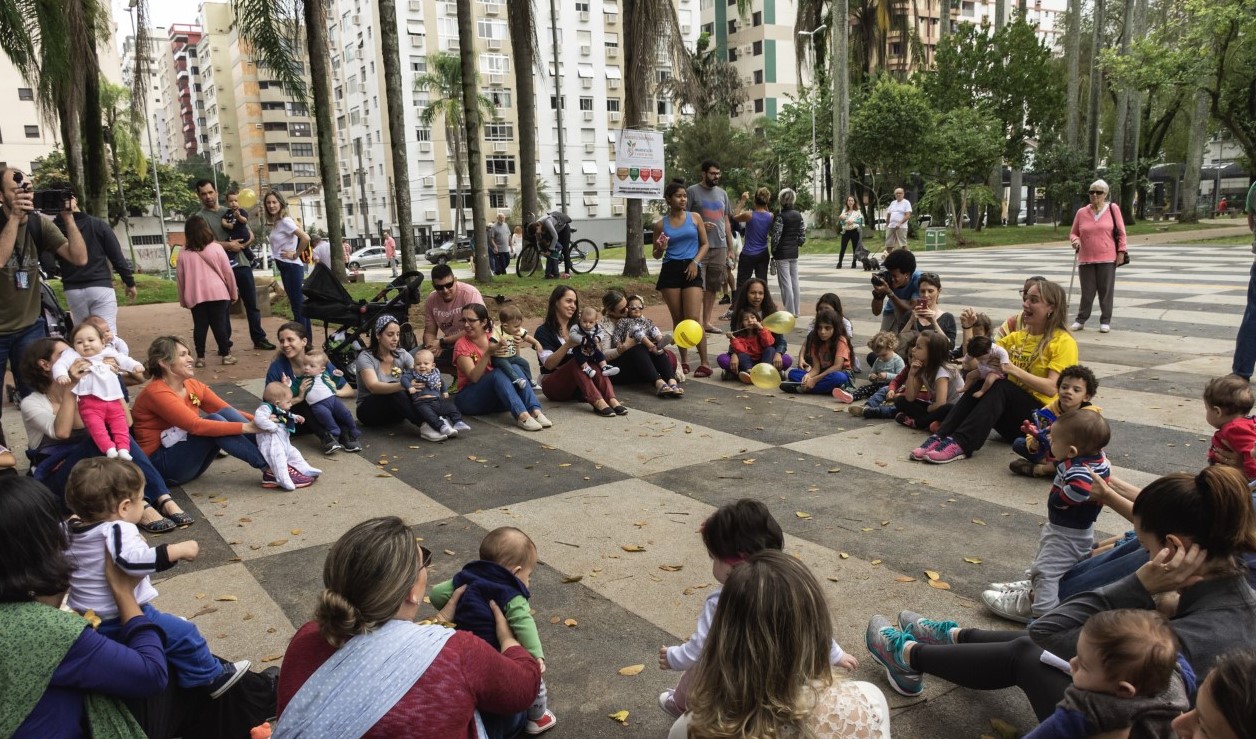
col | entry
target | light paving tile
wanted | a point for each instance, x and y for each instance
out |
(1208, 366)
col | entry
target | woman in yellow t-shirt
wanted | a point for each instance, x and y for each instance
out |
(1037, 354)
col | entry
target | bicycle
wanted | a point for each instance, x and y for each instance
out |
(584, 255)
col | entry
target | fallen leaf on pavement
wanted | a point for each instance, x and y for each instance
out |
(802, 514)
(834, 470)
(905, 578)
(932, 575)
(205, 610)
(632, 548)
(979, 522)
(843, 555)
(450, 552)
(620, 716)
(572, 578)
(671, 568)
(747, 461)
(277, 543)
(875, 562)
(556, 619)
(631, 670)
(571, 622)
(272, 658)
(227, 598)
(972, 560)
(295, 532)
(938, 584)
(689, 429)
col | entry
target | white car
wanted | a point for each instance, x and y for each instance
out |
(371, 256)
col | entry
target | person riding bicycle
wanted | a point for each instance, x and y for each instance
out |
(552, 233)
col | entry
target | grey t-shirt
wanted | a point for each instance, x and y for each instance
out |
(401, 360)
(712, 203)
(500, 240)
(214, 219)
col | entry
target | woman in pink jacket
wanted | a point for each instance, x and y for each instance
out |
(207, 288)
(1098, 237)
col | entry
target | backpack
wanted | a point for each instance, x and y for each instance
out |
(57, 318)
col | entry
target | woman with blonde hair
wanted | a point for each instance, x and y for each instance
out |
(772, 614)
(290, 250)
(1038, 353)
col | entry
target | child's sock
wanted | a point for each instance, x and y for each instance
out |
(111, 453)
(589, 371)
(124, 454)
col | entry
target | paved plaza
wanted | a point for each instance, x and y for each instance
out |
(862, 516)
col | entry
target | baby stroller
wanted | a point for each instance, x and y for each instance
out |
(327, 300)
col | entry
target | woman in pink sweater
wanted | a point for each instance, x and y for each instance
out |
(207, 288)
(1098, 237)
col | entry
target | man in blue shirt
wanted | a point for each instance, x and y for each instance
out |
(902, 290)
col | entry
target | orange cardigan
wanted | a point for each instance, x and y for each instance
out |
(158, 408)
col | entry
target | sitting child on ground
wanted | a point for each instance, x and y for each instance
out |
(589, 353)
(1227, 406)
(276, 423)
(826, 355)
(834, 303)
(329, 409)
(99, 390)
(636, 326)
(885, 367)
(1075, 387)
(731, 534)
(502, 575)
(984, 361)
(1127, 675)
(507, 337)
(930, 390)
(748, 345)
(881, 403)
(1077, 440)
(430, 398)
(107, 495)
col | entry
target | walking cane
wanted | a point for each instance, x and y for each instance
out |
(1072, 276)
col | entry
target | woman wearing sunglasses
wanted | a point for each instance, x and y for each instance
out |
(341, 676)
(1098, 237)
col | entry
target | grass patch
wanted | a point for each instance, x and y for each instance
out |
(1007, 236)
(148, 289)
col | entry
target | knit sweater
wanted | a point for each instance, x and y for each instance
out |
(158, 408)
(466, 675)
(1098, 246)
(204, 275)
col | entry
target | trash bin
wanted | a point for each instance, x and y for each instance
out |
(935, 239)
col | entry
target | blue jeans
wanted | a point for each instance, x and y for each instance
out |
(247, 288)
(825, 385)
(1245, 342)
(877, 407)
(293, 276)
(1123, 559)
(515, 367)
(188, 460)
(195, 666)
(335, 417)
(58, 476)
(13, 345)
(494, 394)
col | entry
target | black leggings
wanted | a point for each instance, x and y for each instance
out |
(211, 315)
(1004, 408)
(848, 237)
(993, 660)
(754, 265)
(918, 411)
(386, 410)
(638, 365)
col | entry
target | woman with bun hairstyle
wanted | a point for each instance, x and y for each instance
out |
(338, 678)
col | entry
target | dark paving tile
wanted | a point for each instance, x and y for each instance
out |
(1161, 382)
(214, 549)
(1157, 450)
(1123, 356)
(842, 505)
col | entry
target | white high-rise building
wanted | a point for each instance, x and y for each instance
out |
(155, 137)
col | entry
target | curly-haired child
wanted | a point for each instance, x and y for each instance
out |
(885, 367)
(1075, 388)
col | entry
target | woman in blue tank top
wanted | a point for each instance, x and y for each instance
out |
(680, 239)
(754, 258)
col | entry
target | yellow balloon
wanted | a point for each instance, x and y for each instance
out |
(687, 334)
(765, 376)
(780, 322)
(247, 198)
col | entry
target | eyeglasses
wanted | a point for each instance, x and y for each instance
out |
(444, 287)
(1098, 192)
(425, 557)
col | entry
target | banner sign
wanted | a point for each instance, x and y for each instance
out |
(638, 165)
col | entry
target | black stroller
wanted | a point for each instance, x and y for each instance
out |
(347, 324)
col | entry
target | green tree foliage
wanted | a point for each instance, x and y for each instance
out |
(1064, 172)
(713, 87)
(1221, 37)
(963, 146)
(788, 136)
(889, 133)
(744, 159)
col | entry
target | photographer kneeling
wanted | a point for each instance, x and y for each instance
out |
(899, 281)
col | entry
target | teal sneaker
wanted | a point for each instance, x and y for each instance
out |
(926, 630)
(886, 645)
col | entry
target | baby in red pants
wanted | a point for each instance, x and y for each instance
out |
(98, 389)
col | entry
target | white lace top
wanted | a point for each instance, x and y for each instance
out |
(849, 709)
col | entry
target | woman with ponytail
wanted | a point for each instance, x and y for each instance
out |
(1197, 530)
(338, 678)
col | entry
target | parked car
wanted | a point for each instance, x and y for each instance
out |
(371, 256)
(451, 251)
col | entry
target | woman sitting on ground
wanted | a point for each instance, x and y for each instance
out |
(1038, 355)
(1194, 527)
(382, 401)
(561, 378)
(62, 679)
(182, 425)
(55, 436)
(482, 389)
(636, 363)
(293, 342)
(341, 674)
(772, 615)
(927, 316)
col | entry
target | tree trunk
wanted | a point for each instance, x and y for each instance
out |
(1096, 86)
(320, 92)
(471, 122)
(1120, 138)
(841, 99)
(72, 140)
(395, 100)
(1000, 13)
(1073, 53)
(1187, 211)
(635, 93)
(1134, 120)
(95, 174)
(944, 21)
(1014, 198)
(994, 211)
(523, 51)
(455, 134)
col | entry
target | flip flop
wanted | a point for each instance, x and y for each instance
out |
(702, 371)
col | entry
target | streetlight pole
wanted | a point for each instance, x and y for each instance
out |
(814, 154)
(148, 125)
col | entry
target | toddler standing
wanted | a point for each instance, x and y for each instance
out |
(326, 406)
(107, 495)
(502, 575)
(427, 392)
(276, 423)
(99, 391)
(508, 334)
(1227, 406)
(731, 534)
(589, 331)
(1075, 387)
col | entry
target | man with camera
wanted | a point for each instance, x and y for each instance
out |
(895, 289)
(89, 289)
(241, 259)
(24, 235)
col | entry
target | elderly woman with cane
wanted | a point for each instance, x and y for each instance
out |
(1098, 240)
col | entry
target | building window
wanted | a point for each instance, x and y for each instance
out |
(499, 164)
(301, 130)
(586, 103)
(732, 53)
(496, 199)
(582, 7)
(758, 76)
(896, 49)
(611, 40)
(272, 106)
(756, 18)
(499, 97)
(303, 150)
(612, 105)
(494, 64)
(490, 29)
(418, 64)
(422, 134)
(279, 167)
(298, 109)
(758, 48)
(732, 27)
(32, 132)
(758, 105)
(499, 132)
(276, 147)
(303, 170)
(554, 102)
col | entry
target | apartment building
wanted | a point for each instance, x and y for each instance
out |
(184, 102)
(1047, 14)
(155, 139)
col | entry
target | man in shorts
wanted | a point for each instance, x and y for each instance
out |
(709, 199)
(896, 218)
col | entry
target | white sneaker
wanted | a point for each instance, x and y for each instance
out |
(541, 419)
(529, 424)
(1104, 328)
(1076, 326)
(1004, 587)
(427, 433)
(461, 426)
(448, 431)
(610, 370)
(668, 704)
(521, 383)
(1014, 605)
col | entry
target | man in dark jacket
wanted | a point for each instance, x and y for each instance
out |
(89, 289)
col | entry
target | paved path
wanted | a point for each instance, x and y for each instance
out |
(853, 507)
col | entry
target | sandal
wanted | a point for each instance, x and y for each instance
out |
(702, 371)
(200, 363)
(160, 526)
(180, 519)
(677, 390)
(664, 390)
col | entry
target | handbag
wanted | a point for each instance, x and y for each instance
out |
(771, 266)
(1116, 237)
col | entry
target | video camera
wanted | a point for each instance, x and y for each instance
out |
(52, 202)
(881, 277)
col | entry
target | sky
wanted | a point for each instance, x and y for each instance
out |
(160, 13)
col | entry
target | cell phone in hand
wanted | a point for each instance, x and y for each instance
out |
(922, 304)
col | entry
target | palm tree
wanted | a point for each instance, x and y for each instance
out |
(523, 49)
(272, 31)
(443, 80)
(394, 102)
(811, 14)
(472, 103)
